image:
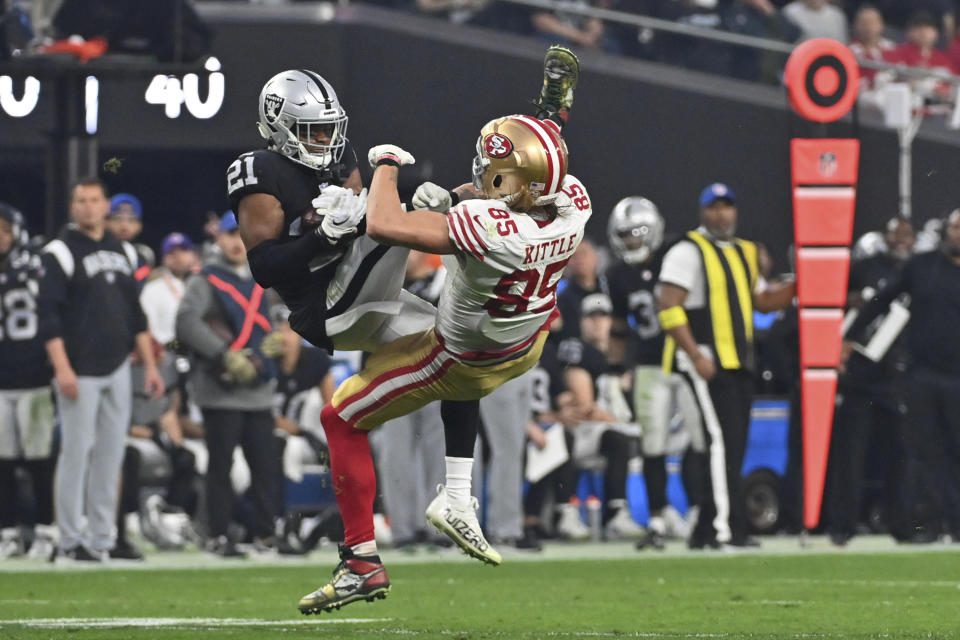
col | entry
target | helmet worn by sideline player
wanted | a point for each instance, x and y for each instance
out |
(521, 161)
(17, 229)
(635, 229)
(302, 118)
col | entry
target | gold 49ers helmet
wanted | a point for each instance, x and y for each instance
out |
(520, 157)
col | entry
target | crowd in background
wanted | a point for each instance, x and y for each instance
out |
(919, 33)
(196, 440)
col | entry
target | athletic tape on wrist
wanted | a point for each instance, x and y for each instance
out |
(672, 317)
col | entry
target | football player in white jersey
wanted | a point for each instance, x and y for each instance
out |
(511, 247)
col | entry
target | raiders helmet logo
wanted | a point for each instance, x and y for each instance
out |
(272, 104)
(497, 145)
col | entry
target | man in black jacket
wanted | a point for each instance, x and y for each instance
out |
(932, 280)
(92, 320)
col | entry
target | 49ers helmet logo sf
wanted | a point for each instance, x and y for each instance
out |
(497, 145)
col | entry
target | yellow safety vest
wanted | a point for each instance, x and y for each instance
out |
(726, 322)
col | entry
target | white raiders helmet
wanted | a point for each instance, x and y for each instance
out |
(870, 244)
(635, 229)
(297, 106)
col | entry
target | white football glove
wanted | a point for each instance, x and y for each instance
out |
(433, 197)
(342, 211)
(389, 153)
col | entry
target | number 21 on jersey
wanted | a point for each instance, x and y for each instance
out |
(241, 175)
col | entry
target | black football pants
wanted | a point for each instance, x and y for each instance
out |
(253, 431)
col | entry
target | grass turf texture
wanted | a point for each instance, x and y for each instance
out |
(892, 595)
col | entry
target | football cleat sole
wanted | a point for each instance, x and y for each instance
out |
(377, 594)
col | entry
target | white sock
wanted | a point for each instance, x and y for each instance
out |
(368, 548)
(459, 479)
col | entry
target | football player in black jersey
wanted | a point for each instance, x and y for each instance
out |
(635, 231)
(271, 190)
(26, 404)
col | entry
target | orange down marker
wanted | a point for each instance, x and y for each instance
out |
(822, 79)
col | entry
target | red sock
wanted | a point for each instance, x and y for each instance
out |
(354, 480)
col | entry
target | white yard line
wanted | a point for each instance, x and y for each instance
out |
(187, 623)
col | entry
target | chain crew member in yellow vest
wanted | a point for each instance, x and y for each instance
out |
(709, 288)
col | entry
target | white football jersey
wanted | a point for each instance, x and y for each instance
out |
(510, 263)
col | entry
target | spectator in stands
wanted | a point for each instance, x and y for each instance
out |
(692, 52)
(898, 13)
(411, 448)
(126, 222)
(870, 406)
(920, 48)
(920, 51)
(817, 19)
(573, 29)
(581, 278)
(92, 320)
(223, 319)
(932, 280)
(868, 42)
(161, 294)
(954, 53)
(457, 11)
(762, 19)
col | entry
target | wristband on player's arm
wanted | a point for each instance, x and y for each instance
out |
(388, 160)
(672, 317)
(273, 261)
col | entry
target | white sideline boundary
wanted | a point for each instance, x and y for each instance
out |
(326, 557)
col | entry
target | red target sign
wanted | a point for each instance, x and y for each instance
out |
(822, 78)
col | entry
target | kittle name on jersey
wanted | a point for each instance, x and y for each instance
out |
(546, 250)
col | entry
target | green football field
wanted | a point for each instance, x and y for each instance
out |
(591, 591)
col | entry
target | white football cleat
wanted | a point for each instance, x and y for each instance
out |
(460, 524)
(570, 525)
(622, 527)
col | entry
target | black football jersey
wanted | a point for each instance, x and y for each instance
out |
(574, 352)
(22, 352)
(292, 388)
(632, 293)
(547, 379)
(295, 186)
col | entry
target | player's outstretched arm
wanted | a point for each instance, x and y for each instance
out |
(260, 220)
(387, 222)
